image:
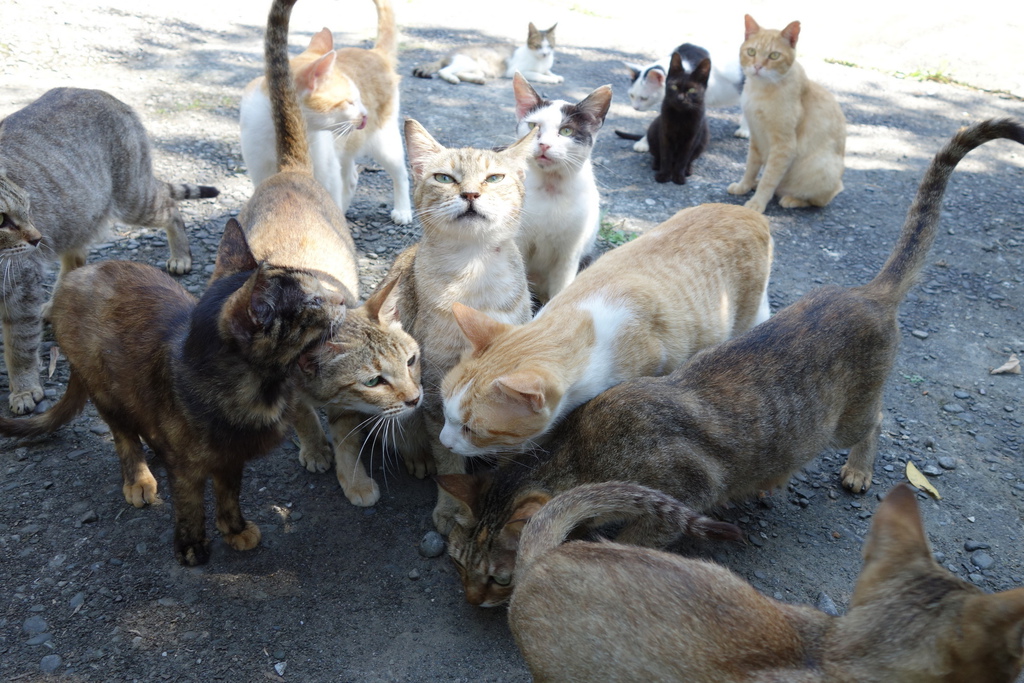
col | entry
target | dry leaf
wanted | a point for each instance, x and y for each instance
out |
(54, 357)
(915, 477)
(1010, 367)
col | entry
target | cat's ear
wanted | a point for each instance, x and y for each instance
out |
(525, 388)
(522, 148)
(897, 532)
(675, 64)
(750, 25)
(702, 72)
(551, 31)
(311, 76)
(322, 41)
(479, 328)
(382, 305)
(656, 77)
(420, 147)
(251, 307)
(233, 252)
(527, 98)
(791, 32)
(634, 69)
(597, 103)
(466, 488)
(532, 31)
(525, 508)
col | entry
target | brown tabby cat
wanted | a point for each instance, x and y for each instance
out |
(83, 159)
(611, 612)
(797, 130)
(740, 417)
(468, 201)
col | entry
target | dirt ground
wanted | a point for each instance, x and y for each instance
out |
(89, 587)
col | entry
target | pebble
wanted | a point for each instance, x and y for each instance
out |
(39, 639)
(961, 394)
(369, 512)
(982, 560)
(77, 600)
(827, 605)
(280, 668)
(88, 517)
(931, 471)
(756, 540)
(953, 408)
(50, 664)
(971, 546)
(76, 454)
(432, 544)
(947, 463)
(414, 574)
(100, 428)
(34, 625)
(920, 334)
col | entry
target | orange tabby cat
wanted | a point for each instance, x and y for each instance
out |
(642, 309)
(797, 130)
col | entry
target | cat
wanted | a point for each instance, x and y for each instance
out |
(370, 366)
(612, 612)
(680, 133)
(797, 129)
(647, 86)
(479, 63)
(469, 202)
(350, 101)
(562, 212)
(640, 309)
(207, 386)
(82, 157)
(740, 417)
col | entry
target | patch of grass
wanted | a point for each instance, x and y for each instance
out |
(929, 75)
(841, 62)
(914, 379)
(613, 234)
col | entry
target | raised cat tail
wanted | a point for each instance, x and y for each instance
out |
(289, 124)
(65, 410)
(387, 31)
(181, 191)
(610, 501)
(907, 258)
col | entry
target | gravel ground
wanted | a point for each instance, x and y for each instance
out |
(89, 588)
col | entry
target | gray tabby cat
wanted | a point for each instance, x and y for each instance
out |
(71, 162)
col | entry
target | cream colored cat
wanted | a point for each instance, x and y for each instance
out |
(797, 130)
(640, 310)
(468, 201)
(349, 98)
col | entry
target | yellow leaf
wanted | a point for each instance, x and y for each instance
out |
(916, 478)
(1010, 367)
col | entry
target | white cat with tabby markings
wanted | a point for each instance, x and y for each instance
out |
(480, 63)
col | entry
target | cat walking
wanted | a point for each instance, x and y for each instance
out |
(480, 63)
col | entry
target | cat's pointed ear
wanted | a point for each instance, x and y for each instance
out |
(420, 147)
(525, 508)
(634, 69)
(233, 252)
(750, 26)
(896, 529)
(551, 31)
(322, 41)
(703, 71)
(597, 103)
(532, 31)
(479, 328)
(313, 75)
(251, 307)
(791, 32)
(466, 488)
(382, 305)
(675, 64)
(527, 98)
(523, 147)
(524, 388)
(656, 77)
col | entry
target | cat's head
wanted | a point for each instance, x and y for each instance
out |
(484, 541)
(369, 364)
(565, 131)
(470, 195)
(768, 54)
(330, 99)
(501, 394)
(685, 89)
(541, 43)
(912, 616)
(17, 234)
(648, 87)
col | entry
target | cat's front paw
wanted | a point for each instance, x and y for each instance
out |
(444, 512)
(360, 489)
(741, 132)
(179, 265)
(855, 480)
(555, 78)
(316, 458)
(789, 202)
(642, 145)
(662, 177)
(246, 539)
(739, 188)
(24, 401)
(401, 216)
(142, 491)
(419, 464)
(192, 553)
(755, 204)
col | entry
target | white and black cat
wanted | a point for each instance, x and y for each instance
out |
(561, 213)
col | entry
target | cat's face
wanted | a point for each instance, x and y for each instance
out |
(565, 131)
(648, 87)
(541, 43)
(17, 234)
(330, 99)
(469, 195)
(683, 89)
(768, 54)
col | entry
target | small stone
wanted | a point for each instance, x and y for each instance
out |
(50, 664)
(295, 516)
(961, 394)
(947, 463)
(827, 605)
(432, 544)
(414, 574)
(1008, 409)
(34, 625)
(100, 428)
(920, 334)
(756, 540)
(369, 512)
(971, 546)
(975, 578)
(167, 602)
(39, 639)
(982, 560)
(88, 517)
(931, 471)
(953, 408)
(76, 454)
(78, 600)
(280, 668)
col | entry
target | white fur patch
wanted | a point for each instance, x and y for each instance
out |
(602, 370)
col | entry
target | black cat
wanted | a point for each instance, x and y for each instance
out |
(680, 133)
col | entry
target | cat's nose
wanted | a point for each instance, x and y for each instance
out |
(412, 402)
(471, 196)
(35, 241)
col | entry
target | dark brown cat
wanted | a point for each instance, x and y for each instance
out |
(611, 612)
(739, 418)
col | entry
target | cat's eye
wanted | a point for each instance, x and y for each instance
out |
(374, 381)
(673, 87)
(5, 221)
(531, 124)
(443, 178)
(775, 55)
(566, 131)
(751, 51)
(495, 177)
(502, 579)
(691, 91)
(412, 360)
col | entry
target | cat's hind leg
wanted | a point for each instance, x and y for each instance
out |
(140, 488)
(856, 474)
(387, 150)
(358, 486)
(349, 180)
(238, 532)
(642, 145)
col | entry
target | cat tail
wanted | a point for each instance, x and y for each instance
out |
(611, 501)
(387, 31)
(428, 70)
(628, 136)
(899, 272)
(181, 191)
(65, 410)
(289, 124)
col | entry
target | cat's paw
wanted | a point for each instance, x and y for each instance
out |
(755, 204)
(444, 512)
(401, 216)
(641, 146)
(789, 202)
(420, 465)
(316, 458)
(661, 177)
(192, 553)
(855, 480)
(741, 132)
(24, 401)
(555, 78)
(361, 490)
(142, 491)
(738, 188)
(451, 78)
(247, 539)
(179, 265)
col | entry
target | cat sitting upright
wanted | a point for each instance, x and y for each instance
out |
(480, 63)
(797, 129)
(562, 209)
(349, 97)
(83, 159)
(586, 611)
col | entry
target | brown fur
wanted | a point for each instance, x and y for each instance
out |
(611, 612)
(797, 130)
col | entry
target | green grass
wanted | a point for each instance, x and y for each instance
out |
(613, 233)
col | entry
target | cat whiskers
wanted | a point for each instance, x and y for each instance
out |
(341, 129)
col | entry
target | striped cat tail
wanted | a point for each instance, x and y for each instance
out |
(181, 191)
(387, 31)
(428, 70)
(65, 410)
(289, 124)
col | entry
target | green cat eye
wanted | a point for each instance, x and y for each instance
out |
(373, 382)
(443, 178)
(495, 177)
(775, 55)
(565, 131)
(531, 124)
(751, 51)
(502, 580)
(673, 87)
(691, 91)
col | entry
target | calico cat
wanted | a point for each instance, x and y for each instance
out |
(479, 63)
(612, 612)
(640, 309)
(349, 97)
(205, 385)
(561, 213)
(83, 159)
(469, 202)
(797, 130)
(741, 416)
